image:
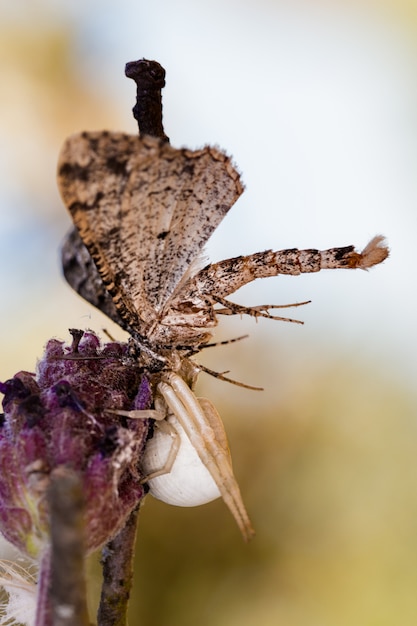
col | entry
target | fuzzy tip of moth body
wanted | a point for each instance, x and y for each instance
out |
(375, 252)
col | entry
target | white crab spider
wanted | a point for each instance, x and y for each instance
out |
(187, 462)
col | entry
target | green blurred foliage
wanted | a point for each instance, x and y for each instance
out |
(329, 480)
(43, 98)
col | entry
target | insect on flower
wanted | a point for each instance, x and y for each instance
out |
(143, 211)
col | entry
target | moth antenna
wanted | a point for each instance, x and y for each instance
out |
(226, 379)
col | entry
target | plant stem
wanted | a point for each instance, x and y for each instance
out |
(67, 590)
(117, 562)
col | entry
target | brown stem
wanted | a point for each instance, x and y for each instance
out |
(117, 562)
(43, 605)
(67, 593)
(149, 77)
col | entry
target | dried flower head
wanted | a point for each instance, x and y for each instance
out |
(60, 417)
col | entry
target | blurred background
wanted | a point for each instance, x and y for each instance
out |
(317, 103)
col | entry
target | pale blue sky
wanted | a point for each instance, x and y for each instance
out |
(317, 107)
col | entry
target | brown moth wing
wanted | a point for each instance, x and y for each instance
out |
(82, 275)
(144, 210)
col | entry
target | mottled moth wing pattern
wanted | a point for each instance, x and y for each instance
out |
(143, 211)
(82, 274)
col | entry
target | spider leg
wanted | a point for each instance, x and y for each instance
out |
(196, 422)
(140, 414)
(170, 430)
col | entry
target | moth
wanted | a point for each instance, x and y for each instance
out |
(143, 211)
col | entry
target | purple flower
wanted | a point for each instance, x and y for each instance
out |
(62, 416)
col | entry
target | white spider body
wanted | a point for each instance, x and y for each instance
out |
(187, 462)
(189, 483)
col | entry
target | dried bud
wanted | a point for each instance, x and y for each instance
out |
(60, 416)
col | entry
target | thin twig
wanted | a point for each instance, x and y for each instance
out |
(117, 562)
(67, 593)
(43, 615)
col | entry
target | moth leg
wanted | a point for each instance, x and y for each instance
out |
(225, 277)
(197, 425)
(226, 379)
(261, 310)
(225, 342)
